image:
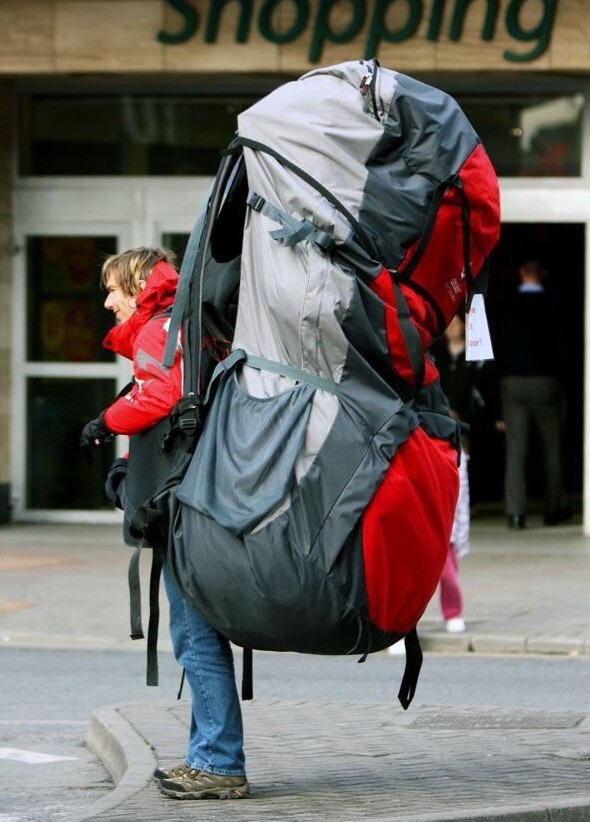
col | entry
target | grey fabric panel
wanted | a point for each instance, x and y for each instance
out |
(319, 122)
(433, 410)
(296, 295)
(432, 398)
(289, 587)
(329, 502)
(427, 138)
(298, 298)
(256, 597)
(352, 73)
(244, 463)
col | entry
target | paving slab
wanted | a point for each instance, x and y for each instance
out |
(349, 762)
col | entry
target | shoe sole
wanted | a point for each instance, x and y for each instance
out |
(209, 793)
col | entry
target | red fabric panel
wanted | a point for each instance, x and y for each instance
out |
(382, 286)
(439, 271)
(406, 530)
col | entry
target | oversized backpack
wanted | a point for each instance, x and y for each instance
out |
(316, 511)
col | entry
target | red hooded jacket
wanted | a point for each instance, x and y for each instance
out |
(142, 339)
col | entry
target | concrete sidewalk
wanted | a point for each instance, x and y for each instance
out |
(525, 592)
(350, 762)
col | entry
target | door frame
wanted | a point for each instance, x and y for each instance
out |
(136, 211)
(559, 201)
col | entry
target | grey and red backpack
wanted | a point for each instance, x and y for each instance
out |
(350, 219)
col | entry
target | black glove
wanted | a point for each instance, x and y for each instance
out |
(94, 434)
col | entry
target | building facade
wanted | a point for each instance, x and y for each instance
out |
(112, 116)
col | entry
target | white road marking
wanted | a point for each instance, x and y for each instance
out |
(31, 758)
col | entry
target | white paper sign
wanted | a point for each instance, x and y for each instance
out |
(478, 345)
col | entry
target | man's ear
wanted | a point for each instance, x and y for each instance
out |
(142, 284)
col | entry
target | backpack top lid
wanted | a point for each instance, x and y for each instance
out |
(382, 143)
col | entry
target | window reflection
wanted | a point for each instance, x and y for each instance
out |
(526, 135)
(536, 136)
(66, 318)
(126, 134)
(177, 243)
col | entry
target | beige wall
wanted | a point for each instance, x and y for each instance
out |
(120, 35)
(5, 284)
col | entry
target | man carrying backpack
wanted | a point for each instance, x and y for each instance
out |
(141, 285)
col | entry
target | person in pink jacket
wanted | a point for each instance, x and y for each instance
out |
(141, 285)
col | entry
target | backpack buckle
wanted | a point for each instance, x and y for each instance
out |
(255, 201)
(188, 425)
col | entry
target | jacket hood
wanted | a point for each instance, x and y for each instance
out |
(157, 296)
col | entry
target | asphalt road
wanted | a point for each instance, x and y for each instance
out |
(47, 773)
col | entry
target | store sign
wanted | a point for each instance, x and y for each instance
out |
(371, 18)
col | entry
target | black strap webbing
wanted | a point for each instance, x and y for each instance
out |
(364, 239)
(411, 337)
(412, 670)
(135, 595)
(181, 686)
(135, 608)
(154, 621)
(466, 226)
(247, 679)
(185, 276)
(193, 323)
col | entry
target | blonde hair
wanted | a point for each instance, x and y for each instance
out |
(130, 267)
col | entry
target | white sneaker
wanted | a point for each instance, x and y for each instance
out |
(399, 649)
(456, 625)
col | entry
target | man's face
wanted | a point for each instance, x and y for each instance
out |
(123, 305)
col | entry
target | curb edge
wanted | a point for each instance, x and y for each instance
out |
(126, 755)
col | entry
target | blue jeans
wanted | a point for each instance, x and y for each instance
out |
(216, 736)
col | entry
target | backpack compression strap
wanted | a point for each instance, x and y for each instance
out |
(135, 608)
(294, 231)
(362, 236)
(239, 356)
(412, 670)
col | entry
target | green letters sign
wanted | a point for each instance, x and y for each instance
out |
(374, 14)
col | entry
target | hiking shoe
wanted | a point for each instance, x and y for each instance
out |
(172, 773)
(196, 784)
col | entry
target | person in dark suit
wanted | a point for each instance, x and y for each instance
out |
(529, 362)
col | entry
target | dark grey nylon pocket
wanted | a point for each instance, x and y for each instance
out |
(244, 464)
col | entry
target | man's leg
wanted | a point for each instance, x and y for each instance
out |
(451, 600)
(516, 417)
(216, 732)
(547, 415)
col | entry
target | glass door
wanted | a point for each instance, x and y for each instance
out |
(63, 377)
